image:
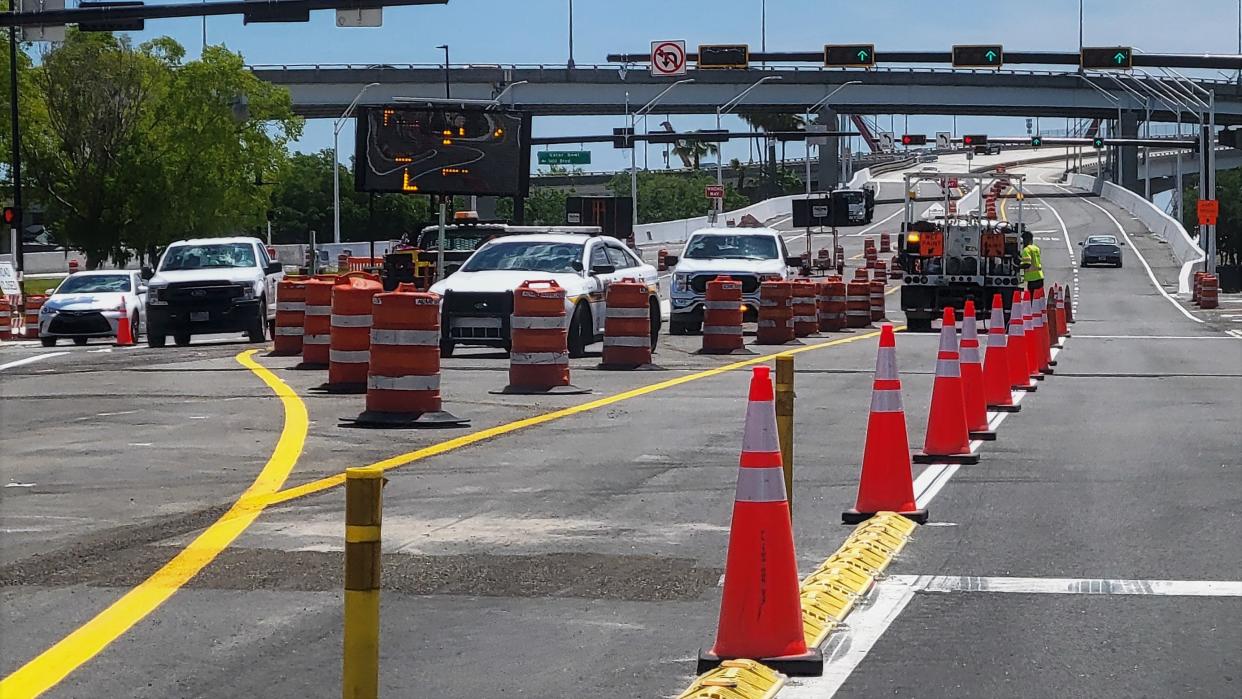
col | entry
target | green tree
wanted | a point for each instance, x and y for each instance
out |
(1229, 221)
(30, 110)
(666, 196)
(692, 151)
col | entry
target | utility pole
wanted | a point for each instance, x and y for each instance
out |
(570, 65)
(18, 257)
(446, 70)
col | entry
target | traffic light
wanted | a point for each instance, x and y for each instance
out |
(623, 137)
(982, 56)
(1037, 141)
(1104, 57)
(724, 56)
(849, 55)
(913, 139)
(1097, 143)
(11, 215)
(975, 139)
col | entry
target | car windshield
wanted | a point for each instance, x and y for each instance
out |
(731, 247)
(527, 257)
(208, 256)
(1102, 240)
(95, 283)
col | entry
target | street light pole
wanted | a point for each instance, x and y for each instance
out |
(815, 108)
(728, 107)
(446, 70)
(633, 155)
(336, 162)
(571, 35)
(18, 257)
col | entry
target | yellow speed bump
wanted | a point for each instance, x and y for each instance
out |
(736, 679)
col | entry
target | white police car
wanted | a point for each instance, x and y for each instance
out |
(478, 297)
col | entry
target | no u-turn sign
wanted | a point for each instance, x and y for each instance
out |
(668, 58)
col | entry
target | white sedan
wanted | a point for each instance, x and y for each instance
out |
(91, 304)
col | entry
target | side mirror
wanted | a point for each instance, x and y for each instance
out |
(142, 289)
(603, 269)
(146, 273)
(275, 267)
(671, 260)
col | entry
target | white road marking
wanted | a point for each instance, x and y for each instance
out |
(1150, 274)
(1074, 586)
(121, 412)
(1153, 337)
(1235, 333)
(30, 360)
(937, 483)
(19, 485)
(876, 225)
(141, 444)
(867, 624)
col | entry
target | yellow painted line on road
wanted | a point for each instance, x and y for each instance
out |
(892, 290)
(56, 663)
(333, 481)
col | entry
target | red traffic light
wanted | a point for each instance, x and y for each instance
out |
(974, 140)
(912, 139)
(11, 214)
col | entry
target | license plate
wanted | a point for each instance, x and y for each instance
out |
(200, 316)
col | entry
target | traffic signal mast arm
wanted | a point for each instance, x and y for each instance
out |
(1139, 60)
(229, 7)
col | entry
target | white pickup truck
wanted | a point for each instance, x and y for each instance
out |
(750, 255)
(211, 285)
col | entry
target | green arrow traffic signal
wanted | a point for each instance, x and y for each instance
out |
(862, 55)
(991, 55)
(1119, 58)
(1097, 142)
(1036, 141)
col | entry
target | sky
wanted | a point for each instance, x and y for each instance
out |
(536, 31)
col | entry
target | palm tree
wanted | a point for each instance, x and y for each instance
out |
(771, 122)
(692, 151)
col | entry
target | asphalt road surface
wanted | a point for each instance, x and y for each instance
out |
(571, 546)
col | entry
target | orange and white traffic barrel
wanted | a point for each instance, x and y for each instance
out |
(832, 305)
(74, 266)
(876, 296)
(316, 323)
(6, 319)
(661, 264)
(894, 268)
(349, 336)
(1198, 285)
(858, 304)
(805, 317)
(290, 316)
(722, 317)
(30, 316)
(403, 375)
(539, 339)
(886, 243)
(627, 325)
(1209, 292)
(776, 313)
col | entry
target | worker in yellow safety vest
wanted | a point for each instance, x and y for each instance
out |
(1032, 263)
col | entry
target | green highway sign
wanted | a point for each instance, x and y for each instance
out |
(1104, 57)
(981, 56)
(564, 157)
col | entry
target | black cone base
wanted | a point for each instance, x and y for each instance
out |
(629, 367)
(375, 419)
(985, 435)
(970, 458)
(1005, 408)
(567, 390)
(341, 388)
(809, 665)
(741, 350)
(855, 517)
(310, 366)
(789, 343)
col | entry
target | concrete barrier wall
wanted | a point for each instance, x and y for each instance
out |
(1167, 228)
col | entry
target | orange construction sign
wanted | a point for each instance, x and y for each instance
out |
(1209, 210)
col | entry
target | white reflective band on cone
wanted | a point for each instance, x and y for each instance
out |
(886, 364)
(318, 310)
(948, 368)
(291, 305)
(760, 485)
(886, 401)
(857, 312)
(997, 340)
(1038, 321)
(539, 358)
(771, 303)
(765, 323)
(722, 330)
(613, 312)
(404, 383)
(537, 322)
(316, 339)
(349, 356)
(805, 319)
(344, 321)
(630, 341)
(760, 434)
(421, 338)
(970, 355)
(1015, 329)
(722, 305)
(289, 330)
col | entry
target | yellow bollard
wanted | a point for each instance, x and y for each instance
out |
(363, 508)
(785, 419)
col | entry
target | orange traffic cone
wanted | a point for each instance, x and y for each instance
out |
(1039, 317)
(1054, 324)
(886, 483)
(972, 377)
(947, 438)
(124, 333)
(760, 609)
(1063, 313)
(1019, 374)
(997, 390)
(1030, 341)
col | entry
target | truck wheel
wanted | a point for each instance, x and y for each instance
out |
(79, 341)
(446, 349)
(919, 325)
(48, 341)
(258, 326)
(181, 339)
(155, 339)
(580, 332)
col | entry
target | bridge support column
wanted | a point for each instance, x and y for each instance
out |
(1127, 158)
(829, 173)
